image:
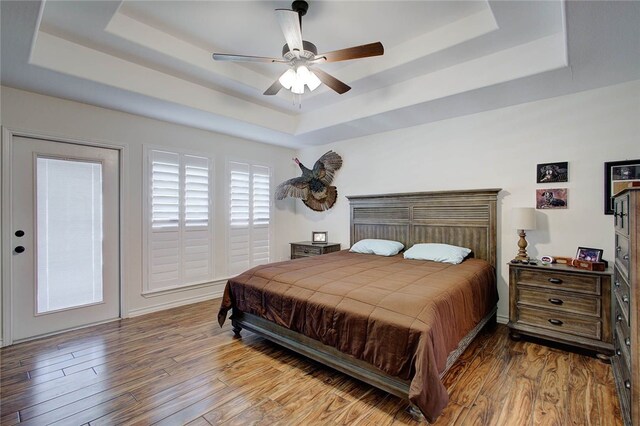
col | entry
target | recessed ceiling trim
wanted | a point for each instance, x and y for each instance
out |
(63, 56)
(142, 34)
(545, 54)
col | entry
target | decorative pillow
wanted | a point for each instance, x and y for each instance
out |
(437, 252)
(379, 247)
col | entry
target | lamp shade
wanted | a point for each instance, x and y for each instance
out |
(523, 218)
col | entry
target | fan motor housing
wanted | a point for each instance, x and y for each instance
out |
(310, 51)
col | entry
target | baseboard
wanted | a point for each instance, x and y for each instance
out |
(216, 292)
(501, 319)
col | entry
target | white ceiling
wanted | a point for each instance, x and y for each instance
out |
(442, 59)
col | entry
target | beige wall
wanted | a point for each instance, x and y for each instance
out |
(499, 149)
(42, 114)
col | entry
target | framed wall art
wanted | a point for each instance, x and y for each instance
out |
(617, 175)
(552, 172)
(552, 198)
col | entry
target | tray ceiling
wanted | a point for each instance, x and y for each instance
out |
(442, 59)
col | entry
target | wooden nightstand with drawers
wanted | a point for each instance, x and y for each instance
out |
(308, 249)
(562, 304)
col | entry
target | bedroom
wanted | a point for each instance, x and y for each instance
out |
(403, 127)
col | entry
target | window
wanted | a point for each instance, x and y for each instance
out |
(249, 216)
(179, 250)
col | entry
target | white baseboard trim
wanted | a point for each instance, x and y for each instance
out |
(501, 319)
(216, 291)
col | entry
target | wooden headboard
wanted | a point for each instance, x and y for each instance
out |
(461, 218)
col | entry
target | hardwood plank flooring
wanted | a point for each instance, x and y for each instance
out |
(178, 367)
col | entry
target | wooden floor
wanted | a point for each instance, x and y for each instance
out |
(178, 367)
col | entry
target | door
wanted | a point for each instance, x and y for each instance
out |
(65, 236)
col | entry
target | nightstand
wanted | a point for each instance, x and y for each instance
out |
(562, 304)
(308, 249)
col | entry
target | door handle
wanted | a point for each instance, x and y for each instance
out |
(19, 249)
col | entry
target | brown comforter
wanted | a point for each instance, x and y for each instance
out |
(402, 316)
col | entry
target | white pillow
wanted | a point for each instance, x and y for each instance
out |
(437, 252)
(379, 247)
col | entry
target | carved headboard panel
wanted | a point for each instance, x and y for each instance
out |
(462, 218)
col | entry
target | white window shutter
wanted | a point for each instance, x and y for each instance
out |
(197, 256)
(261, 215)
(239, 196)
(179, 235)
(249, 216)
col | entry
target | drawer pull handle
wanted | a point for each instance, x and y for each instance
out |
(555, 321)
(625, 257)
(618, 317)
(627, 384)
(556, 301)
(625, 298)
(618, 248)
(627, 341)
(306, 251)
(617, 284)
(555, 281)
(618, 352)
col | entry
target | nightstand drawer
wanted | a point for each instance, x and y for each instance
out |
(560, 322)
(559, 301)
(550, 279)
(306, 250)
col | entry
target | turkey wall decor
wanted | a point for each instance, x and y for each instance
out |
(314, 186)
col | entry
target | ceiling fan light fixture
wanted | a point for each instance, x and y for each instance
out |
(298, 87)
(313, 81)
(288, 78)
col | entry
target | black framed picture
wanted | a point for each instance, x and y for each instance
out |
(590, 254)
(617, 175)
(319, 237)
(553, 172)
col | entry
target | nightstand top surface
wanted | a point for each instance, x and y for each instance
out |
(557, 267)
(311, 243)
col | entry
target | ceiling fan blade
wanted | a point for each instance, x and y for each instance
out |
(244, 58)
(290, 23)
(273, 89)
(363, 51)
(331, 81)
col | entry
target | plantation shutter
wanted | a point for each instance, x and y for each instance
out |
(164, 238)
(249, 216)
(196, 239)
(179, 238)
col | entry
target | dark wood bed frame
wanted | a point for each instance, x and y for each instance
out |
(462, 218)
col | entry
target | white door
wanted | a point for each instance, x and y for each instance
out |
(65, 236)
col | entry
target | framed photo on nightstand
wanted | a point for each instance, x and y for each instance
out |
(319, 237)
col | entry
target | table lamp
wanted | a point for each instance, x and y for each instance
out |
(522, 219)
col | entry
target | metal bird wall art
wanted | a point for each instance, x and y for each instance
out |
(314, 186)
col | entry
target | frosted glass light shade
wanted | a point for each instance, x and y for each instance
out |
(523, 218)
(288, 78)
(313, 81)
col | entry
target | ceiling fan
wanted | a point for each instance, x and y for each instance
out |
(302, 56)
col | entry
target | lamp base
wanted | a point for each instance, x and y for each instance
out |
(522, 245)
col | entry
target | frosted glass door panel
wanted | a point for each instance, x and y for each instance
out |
(69, 234)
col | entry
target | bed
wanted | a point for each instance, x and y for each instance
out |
(396, 324)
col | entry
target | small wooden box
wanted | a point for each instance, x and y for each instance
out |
(589, 266)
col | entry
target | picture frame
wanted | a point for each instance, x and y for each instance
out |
(617, 174)
(552, 198)
(589, 254)
(552, 172)
(319, 237)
